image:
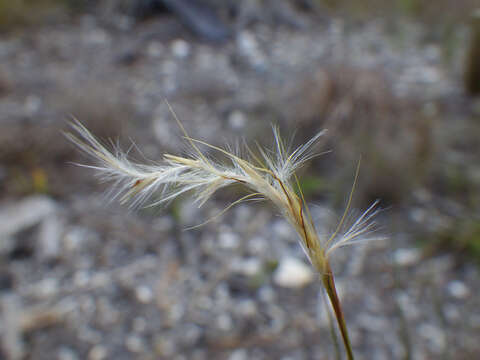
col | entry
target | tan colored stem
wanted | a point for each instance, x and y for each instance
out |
(329, 283)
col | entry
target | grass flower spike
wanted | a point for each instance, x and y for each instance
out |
(269, 175)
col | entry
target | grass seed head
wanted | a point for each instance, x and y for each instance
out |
(269, 176)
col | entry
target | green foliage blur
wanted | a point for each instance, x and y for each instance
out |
(440, 11)
(19, 13)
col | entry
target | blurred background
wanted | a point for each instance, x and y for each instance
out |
(394, 82)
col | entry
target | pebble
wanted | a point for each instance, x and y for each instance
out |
(74, 238)
(65, 353)
(139, 324)
(249, 47)
(257, 245)
(452, 314)
(107, 314)
(32, 105)
(406, 257)
(46, 288)
(283, 230)
(278, 318)
(372, 323)
(239, 354)
(164, 346)
(237, 120)
(407, 305)
(24, 214)
(191, 333)
(97, 37)
(7, 244)
(81, 278)
(134, 344)
(10, 328)
(144, 294)
(246, 308)
(163, 224)
(180, 49)
(247, 267)
(228, 240)
(99, 280)
(266, 294)
(49, 238)
(189, 213)
(458, 289)
(435, 336)
(86, 304)
(418, 215)
(98, 352)
(293, 273)
(155, 49)
(224, 322)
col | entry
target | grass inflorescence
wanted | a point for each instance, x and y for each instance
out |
(266, 174)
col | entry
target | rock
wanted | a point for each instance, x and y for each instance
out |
(266, 294)
(144, 294)
(163, 224)
(224, 322)
(228, 240)
(257, 245)
(293, 273)
(108, 314)
(164, 346)
(373, 323)
(139, 324)
(435, 336)
(406, 257)
(155, 49)
(237, 120)
(283, 230)
(11, 339)
(75, 239)
(407, 304)
(180, 49)
(452, 313)
(7, 245)
(7, 279)
(81, 278)
(98, 352)
(248, 267)
(49, 238)
(65, 353)
(246, 308)
(191, 333)
(249, 48)
(239, 354)
(24, 214)
(46, 288)
(134, 344)
(458, 289)
(32, 105)
(96, 37)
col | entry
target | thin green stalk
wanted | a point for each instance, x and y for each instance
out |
(331, 326)
(329, 283)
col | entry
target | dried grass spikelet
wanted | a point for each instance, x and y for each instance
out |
(268, 176)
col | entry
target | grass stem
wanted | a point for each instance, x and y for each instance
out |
(329, 284)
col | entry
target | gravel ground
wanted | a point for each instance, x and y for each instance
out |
(80, 279)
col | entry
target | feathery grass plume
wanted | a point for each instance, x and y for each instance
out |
(270, 176)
